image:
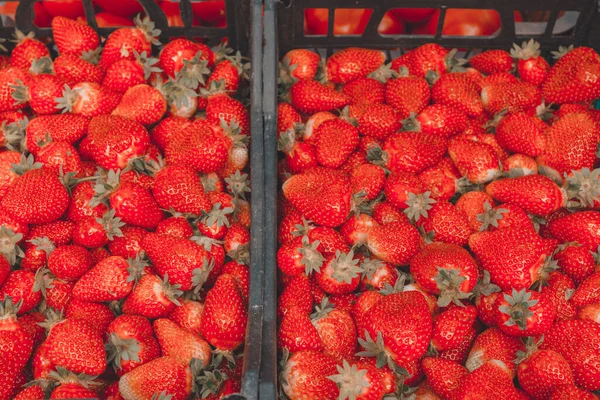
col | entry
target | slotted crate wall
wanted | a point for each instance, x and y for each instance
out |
(284, 30)
(244, 33)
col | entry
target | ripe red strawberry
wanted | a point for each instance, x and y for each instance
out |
(31, 392)
(200, 146)
(536, 194)
(162, 375)
(179, 188)
(570, 145)
(521, 133)
(181, 344)
(574, 340)
(18, 345)
(524, 313)
(541, 371)
(96, 315)
(73, 37)
(180, 53)
(37, 196)
(70, 385)
(301, 64)
(365, 91)
(452, 327)
(143, 104)
(12, 76)
(363, 380)
(576, 261)
(336, 329)
(407, 94)
(297, 332)
(396, 242)
(188, 315)
(222, 108)
(352, 63)
(448, 224)
(315, 192)
(458, 91)
(567, 392)
(124, 42)
(518, 163)
(225, 316)
(477, 161)
(581, 227)
(437, 119)
(116, 140)
(106, 281)
(40, 93)
(379, 121)
(514, 257)
(530, 66)
(59, 128)
(339, 274)
(488, 382)
(409, 152)
(69, 262)
(574, 78)
(393, 317)
(513, 97)
(336, 140)
(27, 50)
(73, 70)
(492, 61)
(152, 297)
(443, 375)
(74, 344)
(400, 188)
(88, 99)
(446, 270)
(425, 58)
(306, 373)
(185, 262)
(493, 344)
(309, 97)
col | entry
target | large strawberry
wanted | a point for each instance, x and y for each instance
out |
(142, 103)
(306, 373)
(493, 344)
(309, 96)
(524, 313)
(162, 375)
(581, 227)
(181, 344)
(108, 280)
(396, 242)
(362, 380)
(72, 37)
(352, 63)
(407, 94)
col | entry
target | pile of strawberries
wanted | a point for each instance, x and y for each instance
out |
(439, 225)
(124, 220)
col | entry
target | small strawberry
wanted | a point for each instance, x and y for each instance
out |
(72, 37)
(309, 97)
(162, 375)
(142, 103)
(407, 94)
(182, 53)
(457, 90)
(521, 133)
(336, 140)
(27, 50)
(530, 66)
(365, 91)
(513, 97)
(300, 64)
(492, 61)
(73, 70)
(179, 187)
(351, 63)
(493, 344)
(396, 242)
(443, 375)
(379, 121)
(477, 161)
(524, 313)
(106, 281)
(181, 344)
(575, 261)
(306, 373)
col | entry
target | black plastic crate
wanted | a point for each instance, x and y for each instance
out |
(284, 30)
(244, 33)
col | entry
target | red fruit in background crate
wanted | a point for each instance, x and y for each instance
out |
(126, 8)
(351, 63)
(72, 37)
(71, 9)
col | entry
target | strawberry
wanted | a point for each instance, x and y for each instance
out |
(378, 121)
(7, 159)
(524, 313)
(443, 376)
(570, 145)
(152, 297)
(182, 53)
(575, 261)
(80, 207)
(59, 128)
(448, 224)
(231, 70)
(88, 99)
(179, 188)
(27, 50)
(74, 344)
(200, 146)
(574, 78)
(10, 77)
(336, 329)
(574, 341)
(162, 132)
(40, 94)
(116, 140)
(407, 94)
(396, 242)
(97, 315)
(225, 316)
(477, 161)
(519, 163)
(72, 37)
(18, 346)
(352, 63)
(579, 227)
(336, 140)
(503, 216)
(31, 392)
(143, 104)
(69, 262)
(409, 152)
(363, 380)
(339, 274)
(437, 119)
(297, 332)
(181, 344)
(185, 262)
(400, 188)
(162, 375)
(513, 97)
(458, 91)
(37, 196)
(452, 327)
(316, 191)
(130, 343)
(558, 290)
(521, 133)
(70, 385)
(365, 91)
(514, 257)
(492, 61)
(535, 194)
(108, 280)
(530, 66)
(567, 392)
(309, 97)
(73, 70)
(124, 42)
(392, 318)
(541, 371)
(306, 373)
(188, 315)
(425, 58)
(493, 344)
(488, 382)
(128, 245)
(222, 108)
(300, 64)
(446, 270)
(497, 78)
